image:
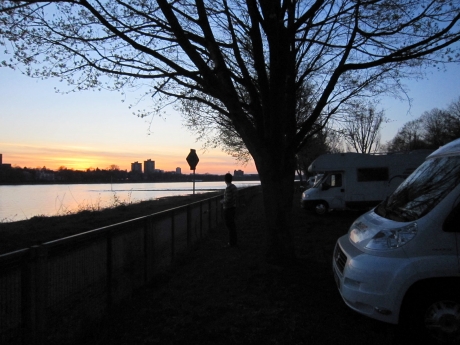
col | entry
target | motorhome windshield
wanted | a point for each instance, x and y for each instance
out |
(422, 190)
(318, 180)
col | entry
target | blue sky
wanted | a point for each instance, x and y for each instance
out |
(96, 129)
(92, 129)
(437, 90)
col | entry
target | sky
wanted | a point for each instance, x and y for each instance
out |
(91, 129)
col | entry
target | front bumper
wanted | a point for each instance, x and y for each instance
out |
(365, 282)
(307, 204)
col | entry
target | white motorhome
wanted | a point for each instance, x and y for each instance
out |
(356, 180)
(400, 262)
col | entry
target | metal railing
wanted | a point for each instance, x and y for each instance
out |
(50, 292)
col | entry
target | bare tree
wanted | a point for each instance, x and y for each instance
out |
(408, 138)
(431, 130)
(113, 167)
(245, 59)
(325, 141)
(316, 146)
(453, 121)
(435, 128)
(361, 128)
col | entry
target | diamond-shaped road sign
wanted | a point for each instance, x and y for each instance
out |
(192, 159)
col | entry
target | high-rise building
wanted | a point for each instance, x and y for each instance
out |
(238, 173)
(1, 159)
(149, 166)
(136, 167)
(178, 171)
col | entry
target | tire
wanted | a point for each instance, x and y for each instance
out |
(442, 319)
(321, 208)
(436, 314)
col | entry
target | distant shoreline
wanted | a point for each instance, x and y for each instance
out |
(117, 182)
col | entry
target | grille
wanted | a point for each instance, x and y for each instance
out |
(340, 258)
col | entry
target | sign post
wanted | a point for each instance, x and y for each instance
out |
(192, 160)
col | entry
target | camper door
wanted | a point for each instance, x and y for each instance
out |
(332, 190)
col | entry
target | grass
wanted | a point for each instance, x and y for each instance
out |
(218, 295)
(38, 229)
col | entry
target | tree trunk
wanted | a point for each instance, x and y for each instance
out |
(277, 182)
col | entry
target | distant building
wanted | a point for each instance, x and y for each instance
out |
(3, 165)
(46, 175)
(149, 166)
(238, 173)
(136, 167)
(178, 171)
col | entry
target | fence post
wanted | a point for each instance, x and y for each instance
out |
(210, 227)
(109, 269)
(172, 235)
(37, 294)
(27, 301)
(201, 219)
(189, 225)
(28, 297)
(218, 211)
(147, 249)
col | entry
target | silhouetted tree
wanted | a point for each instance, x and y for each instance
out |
(325, 141)
(453, 120)
(433, 129)
(361, 128)
(408, 138)
(245, 59)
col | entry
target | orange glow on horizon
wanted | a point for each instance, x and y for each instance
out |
(78, 158)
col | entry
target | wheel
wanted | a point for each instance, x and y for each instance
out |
(435, 313)
(442, 320)
(321, 208)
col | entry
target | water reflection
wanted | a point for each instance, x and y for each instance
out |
(26, 201)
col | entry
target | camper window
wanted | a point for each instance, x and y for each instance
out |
(332, 180)
(372, 174)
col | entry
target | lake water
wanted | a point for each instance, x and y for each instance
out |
(26, 201)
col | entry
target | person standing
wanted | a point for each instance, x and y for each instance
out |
(229, 205)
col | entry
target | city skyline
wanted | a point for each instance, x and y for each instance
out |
(91, 129)
(135, 166)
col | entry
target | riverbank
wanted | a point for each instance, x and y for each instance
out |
(23, 202)
(40, 229)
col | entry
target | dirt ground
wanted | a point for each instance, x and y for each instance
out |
(217, 295)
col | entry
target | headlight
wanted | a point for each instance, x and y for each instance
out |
(392, 238)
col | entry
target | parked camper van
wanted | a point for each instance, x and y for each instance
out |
(400, 261)
(356, 180)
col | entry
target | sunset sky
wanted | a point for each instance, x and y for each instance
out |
(96, 129)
